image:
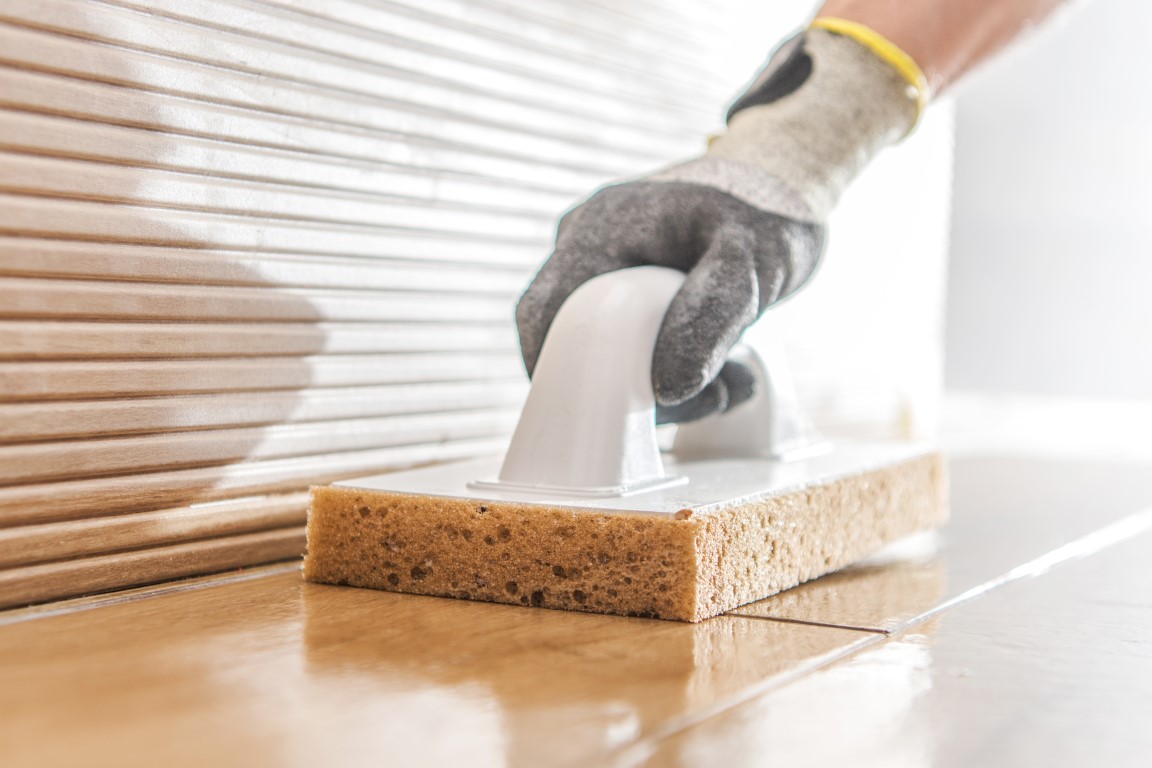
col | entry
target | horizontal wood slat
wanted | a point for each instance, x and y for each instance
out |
(131, 224)
(32, 544)
(529, 33)
(50, 420)
(35, 257)
(349, 66)
(25, 174)
(38, 340)
(252, 245)
(72, 499)
(41, 462)
(49, 581)
(133, 302)
(56, 380)
(519, 188)
(479, 123)
(172, 117)
(690, 23)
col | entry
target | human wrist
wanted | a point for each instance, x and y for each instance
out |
(946, 39)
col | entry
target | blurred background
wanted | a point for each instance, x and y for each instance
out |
(1050, 252)
(1049, 327)
(1027, 187)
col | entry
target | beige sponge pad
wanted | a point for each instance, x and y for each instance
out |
(686, 566)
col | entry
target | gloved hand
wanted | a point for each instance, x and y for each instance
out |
(745, 220)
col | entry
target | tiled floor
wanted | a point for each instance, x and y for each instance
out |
(1021, 635)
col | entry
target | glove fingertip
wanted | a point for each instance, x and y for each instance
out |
(740, 382)
(529, 323)
(672, 386)
(711, 400)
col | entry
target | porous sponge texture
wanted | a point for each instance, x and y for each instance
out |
(686, 567)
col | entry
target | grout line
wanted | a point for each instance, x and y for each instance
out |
(871, 630)
(1089, 544)
(77, 605)
(641, 749)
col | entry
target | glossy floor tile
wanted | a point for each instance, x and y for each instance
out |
(1005, 512)
(1053, 670)
(1023, 623)
(278, 672)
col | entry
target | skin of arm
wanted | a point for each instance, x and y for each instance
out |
(946, 38)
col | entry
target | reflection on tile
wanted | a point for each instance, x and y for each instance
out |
(873, 597)
(841, 716)
(275, 671)
(1051, 670)
(1005, 511)
(574, 682)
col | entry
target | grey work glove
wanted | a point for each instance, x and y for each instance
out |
(744, 221)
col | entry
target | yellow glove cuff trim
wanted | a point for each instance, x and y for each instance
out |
(886, 50)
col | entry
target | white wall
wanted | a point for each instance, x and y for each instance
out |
(1051, 249)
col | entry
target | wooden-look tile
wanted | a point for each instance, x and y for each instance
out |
(878, 597)
(1005, 511)
(278, 672)
(1054, 670)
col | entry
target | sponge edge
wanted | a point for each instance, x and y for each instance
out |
(686, 567)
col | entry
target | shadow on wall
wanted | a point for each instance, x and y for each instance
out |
(168, 243)
(148, 349)
(213, 295)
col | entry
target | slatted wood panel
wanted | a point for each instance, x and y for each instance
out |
(247, 246)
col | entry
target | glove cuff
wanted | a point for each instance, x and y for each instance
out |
(822, 108)
(888, 52)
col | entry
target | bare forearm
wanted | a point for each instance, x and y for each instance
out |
(945, 37)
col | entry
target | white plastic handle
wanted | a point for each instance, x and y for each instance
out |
(768, 425)
(588, 427)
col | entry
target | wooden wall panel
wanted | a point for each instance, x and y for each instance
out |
(247, 246)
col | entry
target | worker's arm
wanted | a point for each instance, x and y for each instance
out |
(946, 38)
(745, 220)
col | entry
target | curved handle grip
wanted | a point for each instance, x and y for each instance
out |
(770, 425)
(588, 425)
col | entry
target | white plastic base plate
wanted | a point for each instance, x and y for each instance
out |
(484, 486)
(711, 485)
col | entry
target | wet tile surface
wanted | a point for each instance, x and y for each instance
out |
(278, 672)
(1053, 670)
(272, 671)
(1005, 511)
